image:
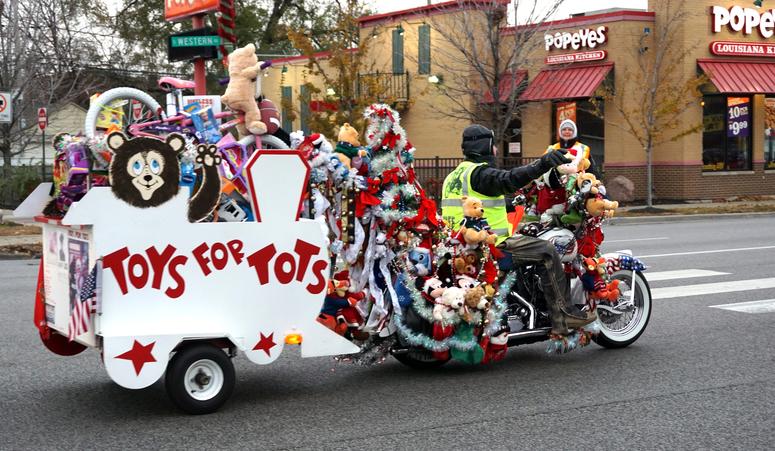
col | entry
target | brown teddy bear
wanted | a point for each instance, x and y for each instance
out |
(475, 299)
(243, 88)
(348, 147)
(599, 206)
(466, 263)
(474, 228)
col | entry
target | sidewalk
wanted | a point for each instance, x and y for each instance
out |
(761, 205)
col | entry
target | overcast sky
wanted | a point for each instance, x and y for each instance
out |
(568, 7)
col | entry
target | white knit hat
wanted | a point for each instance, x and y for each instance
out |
(567, 123)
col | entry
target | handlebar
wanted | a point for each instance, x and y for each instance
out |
(265, 64)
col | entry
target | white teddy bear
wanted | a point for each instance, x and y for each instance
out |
(450, 301)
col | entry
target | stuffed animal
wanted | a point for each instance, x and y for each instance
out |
(448, 304)
(594, 283)
(584, 185)
(348, 147)
(420, 260)
(474, 228)
(476, 298)
(432, 288)
(243, 88)
(599, 206)
(466, 263)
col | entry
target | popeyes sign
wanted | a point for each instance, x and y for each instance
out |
(745, 20)
(584, 38)
(180, 9)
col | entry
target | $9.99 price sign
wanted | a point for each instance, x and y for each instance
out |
(738, 117)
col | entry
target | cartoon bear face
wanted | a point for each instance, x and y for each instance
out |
(145, 172)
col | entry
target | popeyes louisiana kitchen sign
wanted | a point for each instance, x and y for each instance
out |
(737, 19)
(586, 38)
(165, 279)
(566, 58)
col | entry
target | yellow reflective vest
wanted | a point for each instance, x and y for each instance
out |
(458, 184)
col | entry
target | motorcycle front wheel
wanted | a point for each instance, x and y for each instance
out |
(623, 323)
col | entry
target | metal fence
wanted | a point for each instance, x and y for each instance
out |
(431, 172)
(384, 86)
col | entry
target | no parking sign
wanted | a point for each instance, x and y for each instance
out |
(6, 108)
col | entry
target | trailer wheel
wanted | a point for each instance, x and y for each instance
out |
(200, 378)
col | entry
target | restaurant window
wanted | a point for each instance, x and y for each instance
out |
(589, 118)
(424, 49)
(287, 102)
(398, 51)
(304, 110)
(726, 133)
(769, 133)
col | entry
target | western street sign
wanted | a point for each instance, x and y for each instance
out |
(195, 41)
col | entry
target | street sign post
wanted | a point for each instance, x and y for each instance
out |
(6, 108)
(197, 44)
(43, 123)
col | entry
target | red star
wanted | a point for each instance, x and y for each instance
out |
(265, 343)
(139, 355)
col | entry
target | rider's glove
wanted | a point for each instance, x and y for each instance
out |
(554, 158)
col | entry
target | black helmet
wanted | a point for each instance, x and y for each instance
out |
(477, 142)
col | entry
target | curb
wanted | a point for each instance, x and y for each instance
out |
(6, 257)
(680, 218)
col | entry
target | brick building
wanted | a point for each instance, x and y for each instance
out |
(731, 150)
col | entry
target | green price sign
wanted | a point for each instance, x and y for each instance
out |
(195, 41)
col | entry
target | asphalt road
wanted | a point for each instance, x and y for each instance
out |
(698, 378)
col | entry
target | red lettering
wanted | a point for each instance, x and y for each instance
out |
(235, 246)
(115, 262)
(201, 259)
(305, 251)
(158, 262)
(318, 269)
(138, 280)
(259, 261)
(219, 262)
(283, 276)
(180, 288)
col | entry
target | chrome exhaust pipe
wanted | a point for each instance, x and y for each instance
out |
(531, 321)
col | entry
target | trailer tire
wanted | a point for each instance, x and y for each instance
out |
(200, 378)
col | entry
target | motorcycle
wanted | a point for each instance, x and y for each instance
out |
(621, 320)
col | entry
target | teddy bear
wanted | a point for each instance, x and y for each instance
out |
(593, 281)
(598, 205)
(448, 304)
(348, 148)
(583, 185)
(466, 263)
(243, 88)
(474, 228)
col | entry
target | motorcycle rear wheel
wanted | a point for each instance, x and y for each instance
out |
(619, 331)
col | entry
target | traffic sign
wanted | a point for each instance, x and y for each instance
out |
(194, 41)
(178, 53)
(42, 118)
(6, 108)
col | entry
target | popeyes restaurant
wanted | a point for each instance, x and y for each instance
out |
(730, 151)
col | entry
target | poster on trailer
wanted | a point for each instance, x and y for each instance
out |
(78, 268)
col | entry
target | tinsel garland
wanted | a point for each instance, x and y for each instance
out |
(417, 339)
(499, 304)
(561, 344)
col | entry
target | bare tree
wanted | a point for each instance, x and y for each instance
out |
(43, 46)
(653, 97)
(480, 59)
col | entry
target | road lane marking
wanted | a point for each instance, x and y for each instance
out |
(638, 239)
(712, 288)
(763, 306)
(708, 252)
(682, 274)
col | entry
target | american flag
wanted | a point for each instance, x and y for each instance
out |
(80, 318)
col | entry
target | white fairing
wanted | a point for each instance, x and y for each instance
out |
(251, 282)
(564, 241)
